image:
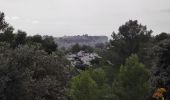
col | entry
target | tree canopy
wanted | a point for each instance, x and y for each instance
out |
(131, 38)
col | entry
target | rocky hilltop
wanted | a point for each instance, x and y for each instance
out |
(68, 41)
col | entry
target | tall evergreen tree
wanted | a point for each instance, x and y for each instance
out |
(131, 38)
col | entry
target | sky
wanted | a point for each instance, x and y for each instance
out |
(77, 17)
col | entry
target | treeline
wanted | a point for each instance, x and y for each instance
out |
(20, 37)
(134, 64)
(31, 67)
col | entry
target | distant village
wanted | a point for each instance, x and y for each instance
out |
(82, 60)
(68, 41)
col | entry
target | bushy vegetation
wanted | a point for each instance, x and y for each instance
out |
(134, 66)
(76, 48)
(28, 73)
(31, 68)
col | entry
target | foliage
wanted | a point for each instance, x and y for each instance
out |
(20, 38)
(28, 73)
(76, 48)
(90, 85)
(161, 37)
(8, 35)
(87, 48)
(131, 38)
(48, 44)
(103, 89)
(34, 39)
(83, 87)
(132, 81)
(160, 72)
(3, 23)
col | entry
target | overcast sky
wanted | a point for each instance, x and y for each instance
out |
(93, 17)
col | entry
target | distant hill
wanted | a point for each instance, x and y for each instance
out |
(68, 41)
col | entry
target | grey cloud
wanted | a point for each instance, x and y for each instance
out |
(165, 10)
(97, 17)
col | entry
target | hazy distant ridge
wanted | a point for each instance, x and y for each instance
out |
(68, 41)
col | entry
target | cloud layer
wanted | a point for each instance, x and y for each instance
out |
(94, 17)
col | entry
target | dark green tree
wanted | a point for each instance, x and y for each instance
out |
(8, 35)
(29, 73)
(86, 48)
(90, 85)
(131, 38)
(3, 23)
(35, 39)
(20, 39)
(75, 48)
(161, 37)
(160, 72)
(132, 81)
(103, 88)
(48, 44)
(83, 87)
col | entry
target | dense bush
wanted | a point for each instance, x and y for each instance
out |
(28, 73)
